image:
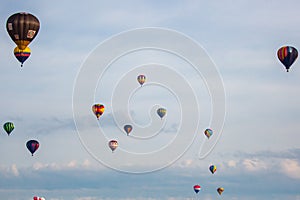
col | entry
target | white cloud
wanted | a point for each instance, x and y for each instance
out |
(232, 163)
(14, 170)
(291, 168)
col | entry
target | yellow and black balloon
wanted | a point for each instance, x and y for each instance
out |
(22, 28)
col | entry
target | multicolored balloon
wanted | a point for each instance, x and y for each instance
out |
(32, 146)
(141, 79)
(220, 190)
(287, 56)
(22, 28)
(8, 127)
(38, 198)
(208, 132)
(98, 110)
(113, 144)
(197, 188)
(128, 128)
(22, 55)
(212, 169)
(161, 112)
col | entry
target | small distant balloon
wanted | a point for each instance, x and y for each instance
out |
(38, 198)
(287, 56)
(208, 132)
(128, 128)
(32, 146)
(113, 144)
(212, 169)
(98, 110)
(197, 188)
(141, 79)
(22, 55)
(220, 190)
(8, 127)
(161, 112)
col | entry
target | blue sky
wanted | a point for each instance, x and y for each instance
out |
(258, 154)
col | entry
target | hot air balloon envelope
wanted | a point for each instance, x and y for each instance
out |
(197, 188)
(161, 112)
(98, 110)
(8, 127)
(22, 55)
(32, 146)
(22, 28)
(212, 169)
(220, 190)
(208, 132)
(113, 144)
(287, 56)
(128, 128)
(141, 79)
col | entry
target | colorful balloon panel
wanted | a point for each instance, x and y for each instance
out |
(22, 28)
(287, 56)
(32, 146)
(141, 79)
(98, 110)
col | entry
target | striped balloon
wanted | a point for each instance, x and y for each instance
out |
(197, 188)
(212, 169)
(22, 55)
(8, 127)
(287, 56)
(98, 110)
(141, 79)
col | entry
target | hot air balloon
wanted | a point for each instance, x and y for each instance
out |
(287, 56)
(128, 128)
(35, 198)
(8, 127)
(113, 144)
(141, 79)
(212, 169)
(197, 188)
(208, 132)
(32, 146)
(38, 198)
(22, 28)
(98, 110)
(22, 55)
(220, 190)
(161, 112)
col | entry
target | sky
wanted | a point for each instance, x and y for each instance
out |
(257, 151)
